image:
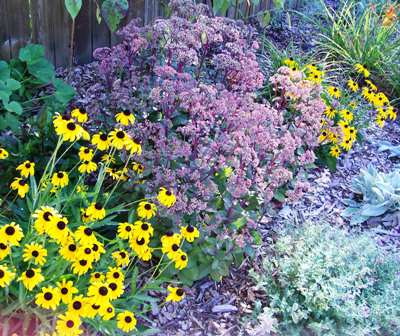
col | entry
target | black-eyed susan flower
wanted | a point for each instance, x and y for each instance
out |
(3, 154)
(170, 239)
(118, 138)
(113, 173)
(134, 146)
(85, 153)
(93, 308)
(85, 217)
(107, 158)
(59, 230)
(11, 233)
(346, 144)
(391, 113)
(87, 167)
(362, 70)
(70, 131)
(333, 137)
(138, 167)
(175, 294)
(190, 233)
(78, 305)
(367, 94)
(5, 249)
(96, 211)
(31, 278)
(334, 92)
(140, 247)
(98, 249)
(69, 250)
(21, 186)
(115, 274)
(81, 266)
(371, 85)
(68, 324)
(143, 230)
(146, 210)
(125, 230)
(59, 121)
(100, 292)
(181, 259)
(67, 290)
(125, 118)
(322, 137)
(166, 197)
(121, 258)
(85, 252)
(35, 252)
(353, 104)
(45, 217)
(60, 179)
(330, 112)
(48, 298)
(335, 151)
(346, 115)
(96, 277)
(126, 321)
(380, 120)
(80, 115)
(352, 85)
(101, 141)
(116, 289)
(107, 312)
(6, 276)
(26, 169)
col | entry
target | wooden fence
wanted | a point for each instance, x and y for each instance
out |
(47, 22)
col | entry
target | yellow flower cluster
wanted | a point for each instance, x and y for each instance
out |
(66, 265)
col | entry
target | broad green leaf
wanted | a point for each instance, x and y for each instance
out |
(73, 7)
(113, 12)
(9, 120)
(14, 107)
(32, 53)
(43, 70)
(64, 92)
(278, 4)
(12, 84)
(221, 6)
(4, 70)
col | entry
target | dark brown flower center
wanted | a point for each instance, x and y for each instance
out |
(83, 262)
(30, 273)
(60, 175)
(88, 231)
(190, 229)
(120, 134)
(116, 275)
(70, 324)
(47, 216)
(27, 165)
(109, 310)
(61, 225)
(103, 137)
(22, 182)
(64, 291)
(88, 250)
(175, 247)
(71, 126)
(77, 305)
(113, 286)
(103, 290)
(127, 113)
(95, 247)
(2, 274)
(145, 227)
(128, 319)
(72, 247)
(122, 254)
(147, 206)
(128, 228)
(95, 306)
(48, 296)
(35, 254)
(168, 193)
(98, 206)
(169, 233)
(87, 150)
(179, 292)
(97, 275)
(10, 230)
(183, 257)
(3, 246)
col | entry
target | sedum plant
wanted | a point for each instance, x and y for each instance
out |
(380, 193)
(321, 280)
(192, 81)
(59, 261)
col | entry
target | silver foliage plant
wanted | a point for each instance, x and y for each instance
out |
(380, 194)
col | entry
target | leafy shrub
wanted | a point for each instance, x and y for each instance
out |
(323, 281)
(57, 257)
(363, 35)
(191, 81)
(22, 94)
(379, 193)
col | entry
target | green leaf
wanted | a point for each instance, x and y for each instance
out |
(113, 12)
(14, 107)
(221, 7)
(9, 120)
(64, 92)
(32, 53)
(73, 7)
(240, 222)
(4, 70)
(43, 70)
(12, 84)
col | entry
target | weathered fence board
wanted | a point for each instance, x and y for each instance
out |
(47, 22)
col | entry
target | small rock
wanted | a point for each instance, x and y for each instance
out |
(224, 308)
